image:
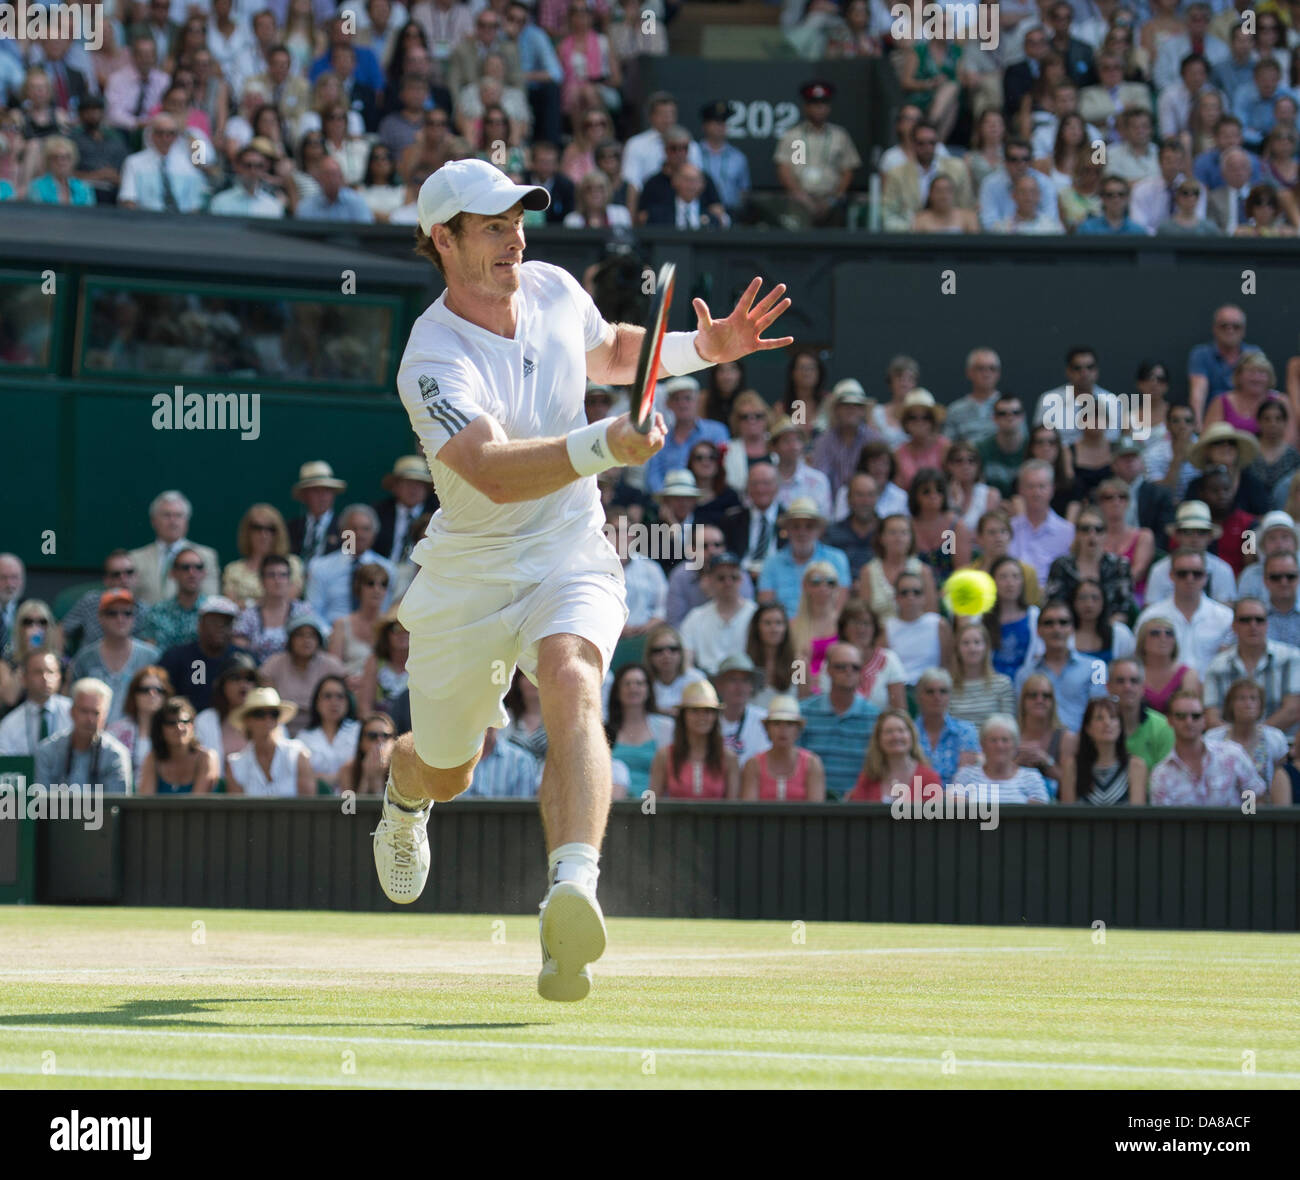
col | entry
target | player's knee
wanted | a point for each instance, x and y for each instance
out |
(574, 682)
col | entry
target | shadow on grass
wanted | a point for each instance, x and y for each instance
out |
(171, 1013)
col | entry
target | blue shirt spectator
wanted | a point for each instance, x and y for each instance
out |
(782, 573)
(505, 771)
(347, 205)
(367, 70)
(1205, 360)
(957, 738)
(1254, 109)
(329, 582)
(1206, 169)
(1099, 225)
(537, 53)
(998, 205)
(1074, 685)
(728, 168)
(683, 401)
(45, 190)
(838, 739)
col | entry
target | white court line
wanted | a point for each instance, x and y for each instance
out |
(549, 1047)
(234, 1079)
(503, 961)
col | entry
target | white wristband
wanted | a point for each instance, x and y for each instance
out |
(589, 448)
(679, 355)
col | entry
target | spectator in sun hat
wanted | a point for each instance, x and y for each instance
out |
(296, 671)
(781, 579)
(212, 649)
(116, 657)
(783, 769)
(677, 497)
(411, 495)
(1276, 533)
(925, 446)
(1223, 445)
(316, 532)
(261, 717)
(1193, 529)
(705, 768)
(736, 680)
(799, 481)
(682, 395)
(835, 453)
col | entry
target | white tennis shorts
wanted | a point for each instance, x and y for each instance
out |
(468, 634)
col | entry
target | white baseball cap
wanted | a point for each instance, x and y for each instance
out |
(473, 186)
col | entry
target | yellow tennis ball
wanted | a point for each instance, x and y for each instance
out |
(970, 592)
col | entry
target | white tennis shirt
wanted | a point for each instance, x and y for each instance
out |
(534, 386)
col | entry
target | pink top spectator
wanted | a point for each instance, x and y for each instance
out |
(1226, 771)
(775, 788)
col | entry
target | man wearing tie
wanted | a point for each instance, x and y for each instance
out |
(1154, 198)
(169, 516)
(411, 496)
(134, 90)
(44, 712)
(317, 533)
(68, 84)
(1227, 205)
(688, 187)
(159, 178)
(757, 537)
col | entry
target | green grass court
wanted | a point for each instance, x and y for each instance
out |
(139, 998)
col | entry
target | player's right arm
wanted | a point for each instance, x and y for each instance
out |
(508, 471)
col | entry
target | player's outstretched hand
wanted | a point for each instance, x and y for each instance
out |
(630, 446)
(742, 331)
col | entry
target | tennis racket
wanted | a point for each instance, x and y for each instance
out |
(647, 368)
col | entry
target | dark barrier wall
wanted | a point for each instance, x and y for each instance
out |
(764, 102)
(1136, 867)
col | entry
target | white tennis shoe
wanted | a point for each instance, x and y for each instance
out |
(573, 935)
(402, 851)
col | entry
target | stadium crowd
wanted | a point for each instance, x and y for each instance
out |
(1089, 117)
(790, 631)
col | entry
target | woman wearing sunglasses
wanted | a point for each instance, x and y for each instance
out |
(814, 626)
(177, 764)
(272, 764)
(1157, 649)
(1089, 560)
(367, 772)
(145, 694)
(1045, 744)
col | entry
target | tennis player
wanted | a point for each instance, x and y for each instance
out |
(515, 567)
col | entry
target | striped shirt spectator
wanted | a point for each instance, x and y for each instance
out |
(1025, 786)
(838, 739)
(506, 771)
(1277, 673)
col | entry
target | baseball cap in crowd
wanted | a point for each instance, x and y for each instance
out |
(715, 112)
(741, 663)
(109, 597)
(218, 604)
(473, 186)
(723, 559)
(679, 385)
(1124, 446)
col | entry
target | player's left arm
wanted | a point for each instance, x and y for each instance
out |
(614, 360)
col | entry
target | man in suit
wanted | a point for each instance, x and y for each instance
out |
(465, 66)
(13, 579)
(411, 495)
(169, 515)
(157, 27)
(68, 85)
(1076, 54)
(1019, 78)
(1102, 104)
(1227, 203)
(317, 532)
(908, 185)
(658, 201)
(288, 93)
(546, 172)
(754, 535)
(358, 96)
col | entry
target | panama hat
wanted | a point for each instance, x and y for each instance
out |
(1277, 520)
(699, 694)
(317, 474)
(784, 425)
(263, 698)
(1247, 447)
(1193, 516)
(801, 508)
(680, 483)
(923, 399)
(849, 392)
(783, 708)
(407, 467)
